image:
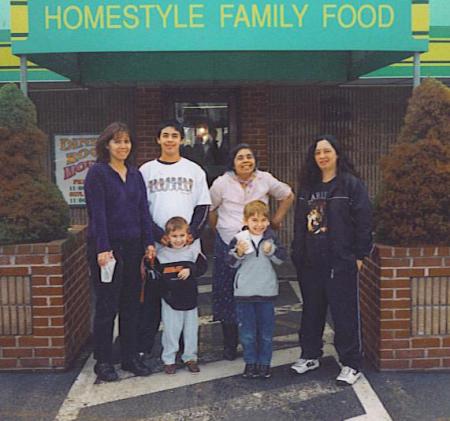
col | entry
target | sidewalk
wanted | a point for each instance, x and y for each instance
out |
(219, 392)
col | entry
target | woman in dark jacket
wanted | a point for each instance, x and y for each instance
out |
(120, 229)
(332, 235)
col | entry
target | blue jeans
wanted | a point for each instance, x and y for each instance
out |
(256, 326)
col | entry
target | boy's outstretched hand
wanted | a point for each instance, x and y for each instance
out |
(267, 247)
(241, 247)
(184, 273)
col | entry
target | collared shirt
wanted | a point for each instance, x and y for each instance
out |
(229, 198)
(117, 210)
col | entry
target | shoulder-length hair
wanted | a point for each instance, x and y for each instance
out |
(310, 173)
(106, 135)
(234, 151)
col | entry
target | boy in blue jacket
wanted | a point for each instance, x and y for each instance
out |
(252, 252)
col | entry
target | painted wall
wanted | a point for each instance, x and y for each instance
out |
(439, 13)
(4, 14)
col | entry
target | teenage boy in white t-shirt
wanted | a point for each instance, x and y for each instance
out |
(176, 186)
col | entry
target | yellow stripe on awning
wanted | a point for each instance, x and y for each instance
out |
(19, 22)
(420, 18)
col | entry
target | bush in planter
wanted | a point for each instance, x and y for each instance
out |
(413, 205)
(31, 208)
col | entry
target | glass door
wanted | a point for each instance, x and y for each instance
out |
(209, 125)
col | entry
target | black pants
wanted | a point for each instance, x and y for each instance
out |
(321, 287)
(120, 296)
(149, 317)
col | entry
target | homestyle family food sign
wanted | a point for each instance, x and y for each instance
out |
(214, 25)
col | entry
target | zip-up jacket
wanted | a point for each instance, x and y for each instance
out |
(255, 278)
(180, 294)
(349, 219)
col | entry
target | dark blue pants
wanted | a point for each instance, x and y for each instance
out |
(149, 317)
(322, 287)
(256, 326)
(121, 296)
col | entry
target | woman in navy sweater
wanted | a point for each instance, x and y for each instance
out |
(332, 236)
(120, 228)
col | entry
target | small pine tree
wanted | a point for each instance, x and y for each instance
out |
(413, 205)
(428, 113)
(31, 208)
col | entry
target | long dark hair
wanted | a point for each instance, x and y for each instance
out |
(234, 151)
(106, 135)
(311, 174)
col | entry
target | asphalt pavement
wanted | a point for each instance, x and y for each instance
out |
(219, 392)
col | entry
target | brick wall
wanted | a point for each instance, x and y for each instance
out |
(405, 308)
(148, 117)
(253, 115)
(59, 300)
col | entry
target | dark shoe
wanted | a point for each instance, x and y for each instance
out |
(229, 354)
(264, 371)
(170, 368)
(137, 367)
(145, 358)
(192, 366)
(105, 372)
(250, 372)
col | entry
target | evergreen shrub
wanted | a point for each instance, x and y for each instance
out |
(32, 209)
(413, 206)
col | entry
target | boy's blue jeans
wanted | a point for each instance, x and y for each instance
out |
(256, 326)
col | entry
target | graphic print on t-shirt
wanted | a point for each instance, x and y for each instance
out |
(160, 184)
(317, 215)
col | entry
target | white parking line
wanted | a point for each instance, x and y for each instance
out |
(367, 397)
(84, 393)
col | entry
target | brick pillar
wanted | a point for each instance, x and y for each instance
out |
(253, 121)
(148, 118)
(44, 303)
(405, 307)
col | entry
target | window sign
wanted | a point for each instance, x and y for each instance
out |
(74, 155)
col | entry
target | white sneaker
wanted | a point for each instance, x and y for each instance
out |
(348, 376)
(302, 366)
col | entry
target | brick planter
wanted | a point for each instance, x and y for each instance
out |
(405, 308)
(44, 303)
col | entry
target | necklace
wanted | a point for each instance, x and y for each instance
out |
(245, 183)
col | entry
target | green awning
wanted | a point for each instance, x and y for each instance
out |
(137, 67)
(119, 41)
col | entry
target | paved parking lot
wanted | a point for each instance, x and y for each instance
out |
(219, 392)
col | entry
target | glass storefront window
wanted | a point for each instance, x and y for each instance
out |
(207, 134)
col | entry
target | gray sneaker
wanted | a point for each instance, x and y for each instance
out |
(348, 376)
(302, 366)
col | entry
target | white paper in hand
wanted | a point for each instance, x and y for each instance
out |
(107, 271)
(245, 236)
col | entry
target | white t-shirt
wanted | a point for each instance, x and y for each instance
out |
(174, 189)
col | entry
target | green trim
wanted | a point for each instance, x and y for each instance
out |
(5, 36)
(440, 31)
(34, 75)
(420, 1)
(407, 72)
(19, 2)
